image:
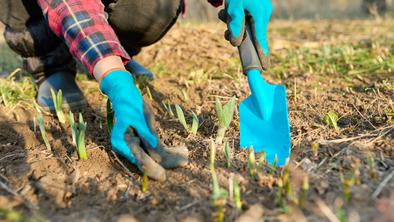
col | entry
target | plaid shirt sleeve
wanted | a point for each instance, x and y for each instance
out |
(84, 28)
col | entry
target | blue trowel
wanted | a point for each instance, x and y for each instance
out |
(263, 116)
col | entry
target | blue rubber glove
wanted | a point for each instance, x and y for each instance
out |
(258, 13)
(127, 105)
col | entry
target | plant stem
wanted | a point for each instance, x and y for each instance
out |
(220, 135)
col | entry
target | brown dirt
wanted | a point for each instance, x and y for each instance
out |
(57, 186)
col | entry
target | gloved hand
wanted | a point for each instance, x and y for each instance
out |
(258, 12)
(127, 105)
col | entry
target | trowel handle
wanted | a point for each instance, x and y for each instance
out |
(247, 51)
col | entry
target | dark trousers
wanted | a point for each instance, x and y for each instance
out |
(137, 23)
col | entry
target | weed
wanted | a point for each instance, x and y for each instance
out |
(57, 99)
(227, 154)
(41, 125)
(331, 119)
(78, 133)
(12, 92)
(181, 117)
(225, 115)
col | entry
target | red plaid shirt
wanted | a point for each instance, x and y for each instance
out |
(83, 26)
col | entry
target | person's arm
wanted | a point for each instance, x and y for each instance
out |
(91, 40)
(84, 28)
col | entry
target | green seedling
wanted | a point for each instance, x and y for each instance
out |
(185, 96)
(181, 117)
(218, 197)
(262, 160)
(274, 165)
(280, 194)
(225, 115)
(78, 134)
(286, 182)
(41, 125)
(251, 162)
(58, 103)
(212, 156)
(347, 184)
(372, 167)
(110, 116)
(331, 119)
(227, 154)
(315, 150)
(304, 190)
(144, 186)
(168, 108)
(237, 194)
(149, 93)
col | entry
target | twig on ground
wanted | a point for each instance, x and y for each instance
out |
(187, 206)
(383, 184)
(358, 111)
(127, 171)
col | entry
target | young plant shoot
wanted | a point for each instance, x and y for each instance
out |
(225, 115)
(218, 197)
(237, 194)
(110, 116)
(227, 154)
(58, 103)
(41, 125)
(251, 162)
(78, 134)
(168, 109)
(331, 119)
(181, 117)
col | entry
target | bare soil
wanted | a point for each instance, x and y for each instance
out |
(55, 185)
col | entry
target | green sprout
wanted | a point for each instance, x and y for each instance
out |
(144, 186)
(149, 93)
(237, 194)
(315, 150)
(280, 196)
(274, 165)
(227, 154)
(372, 167)
(331, 119)
(304, 190)
(185, 96)
(347, 184)
(251, 162)
(212, 155)
(168, 109)
(58, 103)
(225, 115)
(41, 125)
(218, 197)
(110, 116)
(262, 160)
(78, 134)
(181, 117)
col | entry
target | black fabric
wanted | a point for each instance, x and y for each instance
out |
(137, 23)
